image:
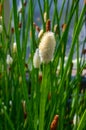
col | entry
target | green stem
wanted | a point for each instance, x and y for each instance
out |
(82, 121)
(61, 11)
(44, 93)
(21, 65)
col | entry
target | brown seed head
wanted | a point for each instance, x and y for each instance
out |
(9, 68)
(64, 27)
(84, 51)
(37, 28)
(56, 117)
(54, 123)
(49, 96)
(24, 108)
(25, 115)
(48, 25)
(26, 65)
(25, 3)
(40, 76)
(85, 2)
(20, 25)
(0, 9)
(12, 29)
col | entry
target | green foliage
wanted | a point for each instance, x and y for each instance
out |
(31, 97)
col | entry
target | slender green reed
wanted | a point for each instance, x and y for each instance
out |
(31, 97)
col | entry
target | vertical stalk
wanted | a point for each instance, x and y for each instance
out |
(62, 7)
(67, 10)
(44, 93)
(41, 12)
(77, 30)
(82, 121)
(24, 49)
(21, 65)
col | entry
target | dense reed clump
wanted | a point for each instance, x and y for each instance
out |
(42, 65)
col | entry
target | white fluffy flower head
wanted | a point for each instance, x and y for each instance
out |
(45, 16)
(9, 60)
(36, 59)
(40, 33)
(14, 47)
(47, 47)
(76, 118)
(1, 29)
(0, 19)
